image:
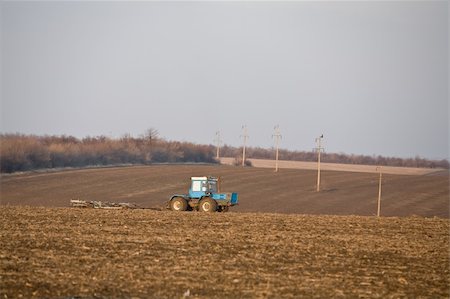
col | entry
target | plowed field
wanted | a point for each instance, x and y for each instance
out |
(260, 189)
(51, 251)
(88, 253)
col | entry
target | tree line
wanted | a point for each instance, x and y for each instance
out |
(20, 152)
(27, 152)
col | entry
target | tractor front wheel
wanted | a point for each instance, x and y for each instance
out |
(207, 205)
(178, 204)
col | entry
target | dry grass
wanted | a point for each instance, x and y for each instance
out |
(337, 167)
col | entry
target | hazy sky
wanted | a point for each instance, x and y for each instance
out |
(371, 76)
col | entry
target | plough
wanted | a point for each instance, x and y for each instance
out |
(96, 204)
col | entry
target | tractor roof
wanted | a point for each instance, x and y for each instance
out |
(202, 178)
(199, 178)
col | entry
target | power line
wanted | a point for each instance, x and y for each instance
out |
(218, 141)
(379, 169)
(244, 136)
(319, 149)
(277, 136)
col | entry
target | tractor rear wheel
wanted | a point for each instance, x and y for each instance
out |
(207, 205)
(178, 204)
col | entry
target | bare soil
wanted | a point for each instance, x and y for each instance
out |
(336, 166)
(88, 253)
(260, 189)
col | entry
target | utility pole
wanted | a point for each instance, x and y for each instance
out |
(379, 190)
(219, 142)
(319, 148)
(244, 136)
(277, 136)
(149, 136)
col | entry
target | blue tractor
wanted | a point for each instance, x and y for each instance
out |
(203, 196)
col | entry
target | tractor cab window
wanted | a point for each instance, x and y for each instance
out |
(204, 186)
(196, 186)
(212, 186)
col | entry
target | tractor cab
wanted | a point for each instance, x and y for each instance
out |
(203, 196)
(203, 186)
